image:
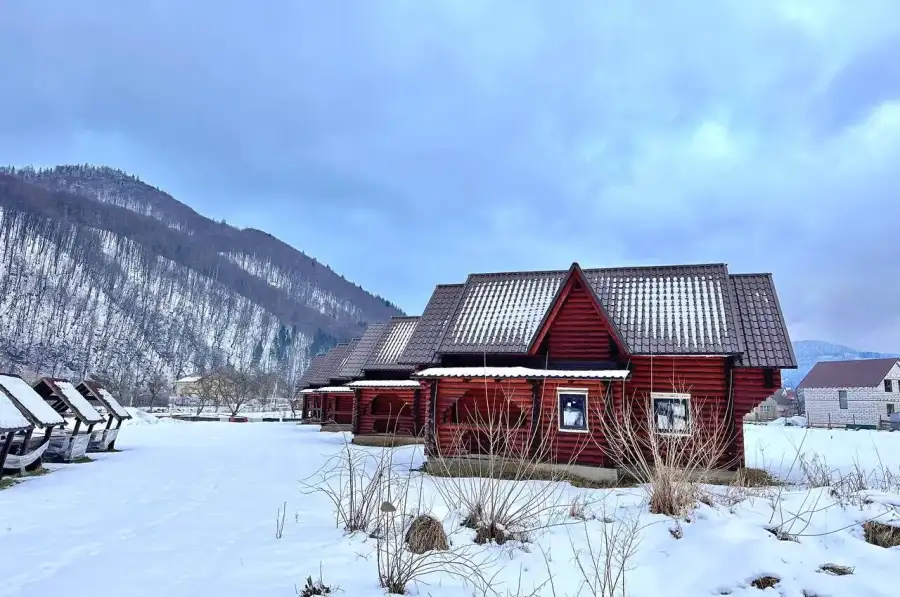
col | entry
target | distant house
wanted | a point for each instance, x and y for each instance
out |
(857, 393)
(187, 386)
(782, 403)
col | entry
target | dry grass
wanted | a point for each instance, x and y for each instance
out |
(672, 467)
(7, 482)
(882, 535)
(837, 569)
(489, 488)
(765, 582)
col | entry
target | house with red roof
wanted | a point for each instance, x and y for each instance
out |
(861, 393)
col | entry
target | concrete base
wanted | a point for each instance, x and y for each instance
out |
(336, 427)
(480, 466)
(386, 441)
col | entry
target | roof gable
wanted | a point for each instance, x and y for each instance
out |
(62, 396)
(95, 393)
(29, 402)
(353, 366)
(859, 373)
(392, 344)
(422, 345)
(574, 279)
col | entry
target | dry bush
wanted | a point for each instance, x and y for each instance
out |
(765, 582)
(837, 569)
(405, 534)
(610, 545)
(496, 488)
(672, 467)
(882, 535)
(355, 481)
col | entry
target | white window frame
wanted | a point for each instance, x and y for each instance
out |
(654, 396)
(559, 417)
(845, 401)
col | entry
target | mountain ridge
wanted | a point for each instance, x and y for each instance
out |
(94, 259)
(810, 352)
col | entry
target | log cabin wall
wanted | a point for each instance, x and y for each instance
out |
(389, 410)
(462, 404)
(573, 447)
(339, 407)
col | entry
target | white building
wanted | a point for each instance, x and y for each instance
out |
(864, 392)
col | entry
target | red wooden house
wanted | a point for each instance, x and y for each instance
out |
(388, 402)
(311, 406)
(322, 396)
(552, 357)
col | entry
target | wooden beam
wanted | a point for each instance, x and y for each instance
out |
(417, 417)
(4, 451)
(25, 441)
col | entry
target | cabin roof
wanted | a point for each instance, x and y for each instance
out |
(670, 310)
(353, 366)
(422, 344)
(311, 371)
(330, 365)
(11, 417)
(67, 397)
(29, 402)
(759, 315)
(858, 373)
(102, 395)
(391, 344)
(338, 373)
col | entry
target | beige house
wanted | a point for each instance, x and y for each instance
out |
(187, 386)
(782, 403)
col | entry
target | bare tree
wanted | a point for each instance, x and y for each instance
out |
(157, 387)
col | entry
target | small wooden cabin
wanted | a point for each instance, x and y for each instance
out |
(62, 397)
(387, 402)
(552, 358)
(27, 451)
(12, 423)
(310, 410)
(99, 397)
(337, 399)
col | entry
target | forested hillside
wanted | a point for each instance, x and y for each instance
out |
(100, 272)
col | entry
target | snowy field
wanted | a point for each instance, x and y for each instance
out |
(191, 509)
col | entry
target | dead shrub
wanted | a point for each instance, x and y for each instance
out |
(837, 569)
(765, 582)
(426, 533)
(754, 477)
(782, 535)
(488, 467)
(671, 466)
(355, 481)
(881, 534)
(677, 531)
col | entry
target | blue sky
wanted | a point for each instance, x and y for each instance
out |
(407, 143)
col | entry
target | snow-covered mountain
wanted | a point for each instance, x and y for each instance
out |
(100, 272)
(810, 352)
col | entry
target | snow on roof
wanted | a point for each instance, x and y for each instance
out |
(31, 401)
(189, 379)
(392, 344)
(308, 391)
(78, 402)
(521, 372)
(334, 389)
(11, 418)
(112, 404)
(384, 383)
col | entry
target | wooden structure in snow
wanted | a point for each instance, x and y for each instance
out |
(26, 452)
(61, 395)
(103, 439)
(336, 400)
(12, 422)
(552, 358)
(388, 403)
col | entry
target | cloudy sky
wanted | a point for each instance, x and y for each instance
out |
(410, 142)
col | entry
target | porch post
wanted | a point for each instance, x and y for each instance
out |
(24, 447)
(431, 440)
(417, 417)
(357, 398)
(536, 422)
(5, 449)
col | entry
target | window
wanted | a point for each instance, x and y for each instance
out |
(672, 412)
(573, 410)
(842, 399)
(890, 409)
(889, 385)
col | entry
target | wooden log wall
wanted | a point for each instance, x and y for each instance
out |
(751, 386)
(389, 410)
(578, 332)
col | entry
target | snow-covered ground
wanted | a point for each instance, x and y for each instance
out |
(190, 509)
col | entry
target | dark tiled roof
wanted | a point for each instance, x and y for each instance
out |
(338, 375)
(311, 372)
(392, 344)
(662, 310)
(353, 366)
(861, 373)
(420, 350)
(329, 368)
(766, 339)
